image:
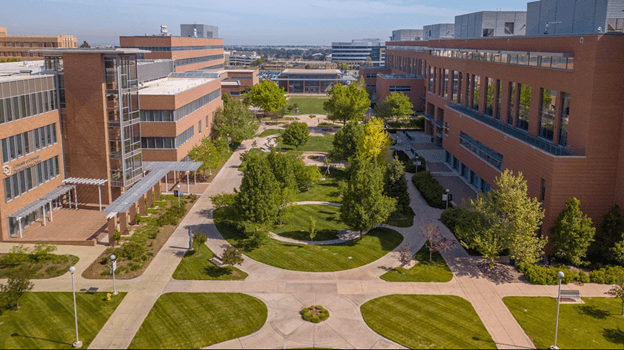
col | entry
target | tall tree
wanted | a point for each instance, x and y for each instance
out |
(572, 233)
(397, 104)
(259, 198)
(282, 166)
(235, 120)
(395, 185)
(346, 103)
(85, 45)
(345, 141)
(360, 83)
(609, 233)
(268, 95)
(210, 153)
(484, 230)
(296, 134)
(364, 205)
(374, 143)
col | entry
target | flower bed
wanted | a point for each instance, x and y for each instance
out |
(314, 314)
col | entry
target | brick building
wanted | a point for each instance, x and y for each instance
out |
(20, 46)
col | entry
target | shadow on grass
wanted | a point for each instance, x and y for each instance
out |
(594, 312)
(613, 335)
(36, 338)
(216, 272)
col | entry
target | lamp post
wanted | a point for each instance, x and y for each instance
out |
(78, 343)
(113, 268)
(560, 275)
(447, 199)
(178, 195)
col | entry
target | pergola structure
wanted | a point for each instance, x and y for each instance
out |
(43, 203)
(82, 181)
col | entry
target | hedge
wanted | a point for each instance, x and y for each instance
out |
(430, 189)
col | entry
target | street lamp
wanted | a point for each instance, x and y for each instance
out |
(560, 275)
(178, 195)
(447, 197)
(78, 343)
(113, 268)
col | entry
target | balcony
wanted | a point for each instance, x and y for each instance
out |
(520, 135)
(432, 119)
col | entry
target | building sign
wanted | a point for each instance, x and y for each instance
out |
(26, 164)
(6, 170)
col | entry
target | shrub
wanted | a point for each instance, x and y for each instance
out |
(42, 251)
(548, 275)
(117, 236)
(133, 251)
(312, 116)
(430, 189)
(17, 255)
(199, 238)
(606, 275)
(314, 314)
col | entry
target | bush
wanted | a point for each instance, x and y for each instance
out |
(42, 251)
(314, 314)
(171, 215)
(548, 275)
(133, 251)
(606, 275)
(430, 189)
(17, 255)
(117, 236)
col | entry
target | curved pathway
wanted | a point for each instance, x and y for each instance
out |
(285, 291)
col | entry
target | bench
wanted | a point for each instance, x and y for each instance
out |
(217, 261)
(570, 294)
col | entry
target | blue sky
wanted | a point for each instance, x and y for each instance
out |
(245, 22)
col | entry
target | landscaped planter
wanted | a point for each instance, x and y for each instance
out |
(314, 314)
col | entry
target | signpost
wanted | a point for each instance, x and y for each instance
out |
(190, 233)
(417, 163)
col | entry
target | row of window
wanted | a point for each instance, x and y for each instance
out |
(24, 106)
(29, 44)
(30, 178)
(18, 146)
(178, 48)
(371, 75)
(187, 61)
(482, 151)
(465, 90)
(471, 177)
(20, 54)
(169, 142)
(180, 113)
(400, 88)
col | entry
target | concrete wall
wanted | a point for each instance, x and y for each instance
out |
(576, 16)
(472, 25)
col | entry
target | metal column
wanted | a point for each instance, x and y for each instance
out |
(100, 196)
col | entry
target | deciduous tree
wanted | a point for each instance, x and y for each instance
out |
(236, 120)
(397, 104)
(346, 103)
(296, 134)
(268, 95)
(345, 141)
(395, 185)
(374, 143)
(608, 234)
(436, 243)
(17, 284)
(231, 256)
(617, 291)
(572, 233)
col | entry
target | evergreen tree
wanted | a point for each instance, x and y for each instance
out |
(364, 205)
(608, 234)
(572, 233)
(259, 198)
(395, 185)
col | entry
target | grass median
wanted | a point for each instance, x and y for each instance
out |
(435, 270)
(196, 265)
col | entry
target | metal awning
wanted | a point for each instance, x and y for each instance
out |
(136, 192)
(57, 192)
(29, 208)
(171, 166)
(83, 181)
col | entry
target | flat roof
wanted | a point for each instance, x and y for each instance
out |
(311, 71)
(230, 83)
(17, 67)
(172, 86)
(241, 70)
(115, 51)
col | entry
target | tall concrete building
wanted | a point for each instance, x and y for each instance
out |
(20, 46)
(439, 31)
(356, 51)
(488, 24)
(561, 17)
(548, 106)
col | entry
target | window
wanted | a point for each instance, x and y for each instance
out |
(199, 127)
(565, 117)
(543, 191)
(400, 88)
(488, 32)
(509, 28)
(499, 95)
(511, 104)
(615, 25)
(31, 177)
(476, 88)
(524, 106)
(547, 116)
(489, 101)
(371, 75)
(431, 86)
(446, 83)
(482, 151)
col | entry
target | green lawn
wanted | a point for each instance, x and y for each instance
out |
(196, 265)
(196, 320)
(424, 271)
(326, 190)
(311, 258)
(427, 321)
(328, 223)
(55, 266)
(307, 105)
(595, 325)
(314, 144)
(270, 132)
(46, 320)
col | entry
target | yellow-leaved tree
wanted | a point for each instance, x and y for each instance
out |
(374, 143)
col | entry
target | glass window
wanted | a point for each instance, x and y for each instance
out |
(446, 83)
(454, 89)
(511, 104)
(431, 87)
(524, 107)
(489, 101)
(547, 115)
(7, 189)
(5, 151)
(499, 95)
(476, 89)
(565, 118)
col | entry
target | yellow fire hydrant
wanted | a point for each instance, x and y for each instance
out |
(108, 296)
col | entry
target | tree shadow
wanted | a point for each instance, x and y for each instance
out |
(613, 335)
(216, 272)
(37, 338)
(593, 311)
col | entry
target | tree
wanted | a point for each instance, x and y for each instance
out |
(345, 141)
(305, 175)
(226, 99)
(360, 83)
(296, 134)
(268, 95)
(346, 103)
(84, 45)
(259, 196)
(572, 233)
(307, 66)
(395, 185)
(364, 205)
(608, 234)
(283, 169)
(617, 291)
(312, 228)
(231, 256)
(505, 217)
(17, 284)
(235, 120)
(405, 254)
(397, 104)
(210, 153)
(374, 143)
(436, 243)
(199, 238)
(369, 61)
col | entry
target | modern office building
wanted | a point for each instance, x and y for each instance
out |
(244, 59)
(488, 24)
(407, 35)
(187, 53)
(546, 106)
(311, 81)
(199, 31)
(19, 46)
(355, 52)
(439, 31)
(234, 81)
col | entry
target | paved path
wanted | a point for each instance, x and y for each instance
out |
(285, 292)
